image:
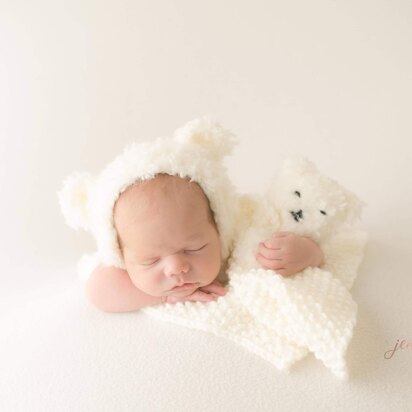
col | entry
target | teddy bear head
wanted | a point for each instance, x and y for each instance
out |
(310, 203)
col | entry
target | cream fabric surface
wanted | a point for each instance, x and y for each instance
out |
(58, 352)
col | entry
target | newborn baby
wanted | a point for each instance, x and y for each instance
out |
(171, 248)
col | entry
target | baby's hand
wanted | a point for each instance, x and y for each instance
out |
(288, 253)
(203, 294)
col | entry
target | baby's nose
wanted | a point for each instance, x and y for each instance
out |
(176, 266)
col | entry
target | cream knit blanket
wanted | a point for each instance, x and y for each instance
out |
(282, 319)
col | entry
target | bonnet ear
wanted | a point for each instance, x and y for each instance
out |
(74, 199)
(211, 135)
(298, 166)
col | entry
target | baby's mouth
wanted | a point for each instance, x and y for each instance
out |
(185, 286)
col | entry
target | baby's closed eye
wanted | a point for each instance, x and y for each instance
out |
(195, 250)
(151, 262)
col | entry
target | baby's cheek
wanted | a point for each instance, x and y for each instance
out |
(135, 278)
(211, 268)
(142, 281)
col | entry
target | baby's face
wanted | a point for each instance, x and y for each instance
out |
(167, 236)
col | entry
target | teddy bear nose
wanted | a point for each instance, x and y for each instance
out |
(297, 215)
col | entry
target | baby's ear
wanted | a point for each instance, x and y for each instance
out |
(209, 134)
(74, 199)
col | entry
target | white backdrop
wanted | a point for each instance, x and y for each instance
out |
(80, 79)
(331, 80)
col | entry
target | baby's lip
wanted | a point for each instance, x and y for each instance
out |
(185, 286)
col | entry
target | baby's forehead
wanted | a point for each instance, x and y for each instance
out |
(161, 186)
(163, 190)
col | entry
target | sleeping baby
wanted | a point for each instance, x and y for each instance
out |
(170, 244)
(165, 217)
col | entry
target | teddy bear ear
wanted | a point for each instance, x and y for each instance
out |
(298, 165)
(209, 134)
(74, 198)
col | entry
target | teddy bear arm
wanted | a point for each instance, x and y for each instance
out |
(343, 255)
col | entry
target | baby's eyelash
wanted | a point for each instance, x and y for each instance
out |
(196, 250)
(153, 262)
(149, 264)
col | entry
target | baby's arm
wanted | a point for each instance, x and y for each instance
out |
(111, 290)
(288, 253)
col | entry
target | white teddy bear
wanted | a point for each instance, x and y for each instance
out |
(312, 309)
(283, 318)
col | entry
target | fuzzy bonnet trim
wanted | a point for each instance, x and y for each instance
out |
(195, 150)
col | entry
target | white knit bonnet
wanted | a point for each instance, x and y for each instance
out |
(195, 150)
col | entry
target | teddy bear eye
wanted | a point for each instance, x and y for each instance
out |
(323, 212)
(297, 193)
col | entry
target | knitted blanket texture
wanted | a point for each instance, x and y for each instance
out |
(282, 319)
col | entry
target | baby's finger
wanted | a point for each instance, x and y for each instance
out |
(274, 242)
(278, 240)
(270, 253)
(216, 282)
(214, 288)
(269, 263)
(200, 296)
